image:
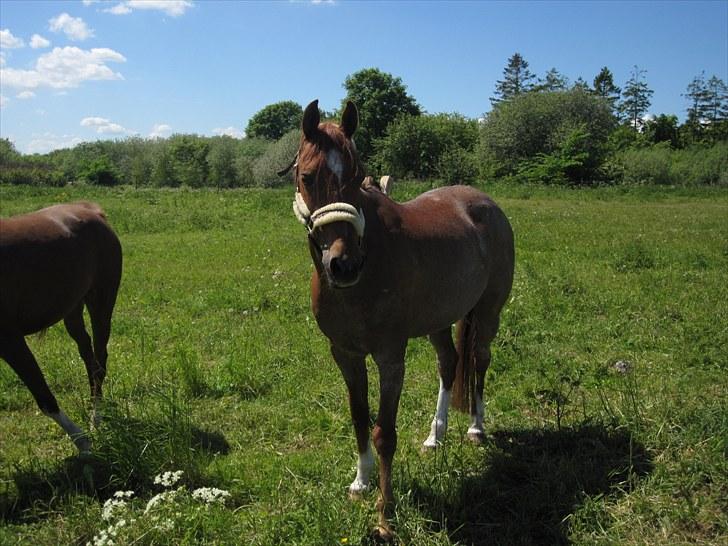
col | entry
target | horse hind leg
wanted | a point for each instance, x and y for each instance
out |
(15, 351)
(77, 330)
(487, 320)
(447, 358)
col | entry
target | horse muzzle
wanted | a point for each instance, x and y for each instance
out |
(342, 270)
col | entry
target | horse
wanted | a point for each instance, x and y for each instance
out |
(385, 272)
(52, 263)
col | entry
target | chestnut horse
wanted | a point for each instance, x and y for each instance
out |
(386, 272)
(52, 262)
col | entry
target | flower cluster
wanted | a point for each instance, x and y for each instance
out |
(161, 514)
(168, 479)
(210, 495)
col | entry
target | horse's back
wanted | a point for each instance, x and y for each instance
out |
(50, 259)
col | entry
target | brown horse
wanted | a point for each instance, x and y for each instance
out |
(52, 262)
(386, 272)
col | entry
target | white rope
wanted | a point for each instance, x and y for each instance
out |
(328, 214)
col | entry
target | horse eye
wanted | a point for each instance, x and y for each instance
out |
(308, 178)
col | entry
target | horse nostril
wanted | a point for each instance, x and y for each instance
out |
(336, 267)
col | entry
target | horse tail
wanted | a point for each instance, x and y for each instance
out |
(463, 388)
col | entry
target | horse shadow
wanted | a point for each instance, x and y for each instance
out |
(39, 490)
(531, 484)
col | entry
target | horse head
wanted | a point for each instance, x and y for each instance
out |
(328, 177)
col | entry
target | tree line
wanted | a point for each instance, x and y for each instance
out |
(539, 129)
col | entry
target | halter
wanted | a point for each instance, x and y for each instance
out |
(328, 214)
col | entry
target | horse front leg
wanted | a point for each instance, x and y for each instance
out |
(353, 368)
(391, 376)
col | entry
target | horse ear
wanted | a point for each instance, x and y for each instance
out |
(349, 119)
(311, 119)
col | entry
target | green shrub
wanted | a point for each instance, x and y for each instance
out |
(457, 166)
(413, 146)
(659, 164)
(276, 156)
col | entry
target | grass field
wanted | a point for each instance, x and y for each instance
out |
(607, 397)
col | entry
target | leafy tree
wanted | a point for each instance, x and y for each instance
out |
(553, 81)
(221, 159)
(414, 145)
(163, 173)
(581, 84)
(380, 99)
(275, 120)
(517, 79)
(189, 159)
(276, 156)
(635, 98)
(8, 153)
(99, 171)
(663, 128)
(549, 123)
(604, 86)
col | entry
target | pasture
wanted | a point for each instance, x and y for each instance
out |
(607, 398)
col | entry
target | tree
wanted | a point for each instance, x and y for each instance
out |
(415, 146)
(275, 120)
(567, 125)
(663, 128)
(717, 100)
(189, 159)
(553, 81)
(221, 159)
(517, 79)
(635, 98)
(604, 86)
(8, 153)
(380, 99)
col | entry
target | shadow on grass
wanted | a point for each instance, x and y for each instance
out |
(118, 462)
(531, 482)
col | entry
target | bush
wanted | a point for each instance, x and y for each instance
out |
(276, 156)
(659, 164)
(414, 146)
(457, 166)
(531, 124)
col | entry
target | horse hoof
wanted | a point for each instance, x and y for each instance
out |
(477, 437)
(429, 445)
(382, 534)
(356, 493)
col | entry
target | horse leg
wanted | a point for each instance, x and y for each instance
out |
(14, 350)
(487, 319)
(391, 376)
(100, 305)
(354, 370)
(447, 358)
(77, 330)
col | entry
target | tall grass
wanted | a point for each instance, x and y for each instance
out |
(607, 397)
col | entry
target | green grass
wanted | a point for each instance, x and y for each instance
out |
(217, 368)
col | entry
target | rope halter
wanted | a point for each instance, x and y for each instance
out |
(328, 214)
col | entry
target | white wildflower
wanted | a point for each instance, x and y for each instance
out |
(623, 366)
(124, 494)
(169, 478)
(210, 495)
(160, 498)
(111, 508)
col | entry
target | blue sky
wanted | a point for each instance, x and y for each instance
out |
(84, 70)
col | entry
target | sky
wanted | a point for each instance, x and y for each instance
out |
(85, 70)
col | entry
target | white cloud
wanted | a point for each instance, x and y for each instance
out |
(37, 41)
(25, 95)
(89, 2)
(4, 101)
(8, 41)
(160, 130)
(229, 131)
(47, 142)
(103, 126)
(73, 27)
(64, 68)
(173, 8)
